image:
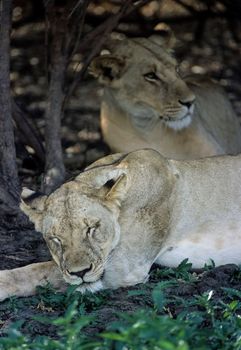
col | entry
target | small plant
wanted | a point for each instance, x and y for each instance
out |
(70, 335)
(182, 272)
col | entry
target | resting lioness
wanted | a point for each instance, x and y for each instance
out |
(108, 226)
(146, 104)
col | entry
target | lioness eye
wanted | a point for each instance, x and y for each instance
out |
(151, 76)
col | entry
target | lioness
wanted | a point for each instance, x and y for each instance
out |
(146, 104)
(108, 226)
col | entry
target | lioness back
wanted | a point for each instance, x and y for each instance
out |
(147, 104)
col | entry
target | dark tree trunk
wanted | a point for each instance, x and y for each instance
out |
(54, 166)
(10, 188)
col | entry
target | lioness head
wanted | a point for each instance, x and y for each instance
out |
(79, 222)
(142, 75)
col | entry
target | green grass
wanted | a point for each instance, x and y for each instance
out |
(165, 320)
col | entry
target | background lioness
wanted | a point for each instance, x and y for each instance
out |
(108, 226)
(147, 104)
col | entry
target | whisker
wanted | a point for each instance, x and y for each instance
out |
(107, 259)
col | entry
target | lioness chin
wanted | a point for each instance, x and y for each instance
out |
(108, 226)
(147, 104)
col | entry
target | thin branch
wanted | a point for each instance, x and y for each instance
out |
(110, 22)
(76, 6)
(80, 27)
(98, 36)
(30, 134)
(188, 7)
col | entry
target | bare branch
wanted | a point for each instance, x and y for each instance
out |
(98, 36)
(79, 24)
(30, 134)
(78, 4)
(110, 23)
(188, 7)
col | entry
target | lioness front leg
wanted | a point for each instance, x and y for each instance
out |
(23, 281)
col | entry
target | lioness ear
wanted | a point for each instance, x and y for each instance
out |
(107, 68)
(33, 204)
(112, 185)
(163, 36)
(117, 191)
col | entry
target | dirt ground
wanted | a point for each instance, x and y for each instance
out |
(217, 55)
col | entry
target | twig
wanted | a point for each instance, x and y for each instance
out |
(78, 4)
(80, 27)
(31, 135)
(98, 36)
(110, 23)
(188, 7)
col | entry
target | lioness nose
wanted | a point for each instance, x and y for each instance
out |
(187, 104)
(82, 272)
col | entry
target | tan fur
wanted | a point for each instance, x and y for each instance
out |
(125, 212)
(139, 111)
